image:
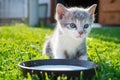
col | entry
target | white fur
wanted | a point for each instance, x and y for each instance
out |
(67, 43)
(62, 42)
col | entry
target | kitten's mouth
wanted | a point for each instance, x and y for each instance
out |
(80, 36)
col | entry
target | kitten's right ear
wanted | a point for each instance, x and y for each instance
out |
(91, 9)
(60, 10)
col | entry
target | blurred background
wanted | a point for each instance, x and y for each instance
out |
(33, 12)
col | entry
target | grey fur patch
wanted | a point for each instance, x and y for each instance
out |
(66, 54)
(49, 50)
(78, 54)
(80, 15)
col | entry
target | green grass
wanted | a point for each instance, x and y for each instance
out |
(21, 43)
(104, 48)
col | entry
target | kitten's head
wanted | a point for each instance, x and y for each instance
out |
(75, 22)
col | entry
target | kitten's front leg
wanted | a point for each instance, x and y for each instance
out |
(58, 55)
(82, 55)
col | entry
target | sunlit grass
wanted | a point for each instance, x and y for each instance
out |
(21, 43)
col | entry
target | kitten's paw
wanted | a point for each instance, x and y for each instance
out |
(83, 57)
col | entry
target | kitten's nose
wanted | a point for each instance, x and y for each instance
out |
(81, 32)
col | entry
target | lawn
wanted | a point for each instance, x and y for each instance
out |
(21, 43)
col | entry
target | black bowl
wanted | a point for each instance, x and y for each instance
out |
(74, 74)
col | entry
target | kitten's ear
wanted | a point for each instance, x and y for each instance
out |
(92, 9)
(60, 10)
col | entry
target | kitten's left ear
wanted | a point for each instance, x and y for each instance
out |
(92, 9)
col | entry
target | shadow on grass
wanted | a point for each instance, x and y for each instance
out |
(106, 34)
(45, 26)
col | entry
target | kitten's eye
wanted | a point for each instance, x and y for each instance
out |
(86, 26)
(72, 25)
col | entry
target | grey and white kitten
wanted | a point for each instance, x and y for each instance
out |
(69, 38)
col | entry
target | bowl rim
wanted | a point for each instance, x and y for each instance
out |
(28, 68)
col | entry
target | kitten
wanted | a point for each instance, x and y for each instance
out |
(69, 38)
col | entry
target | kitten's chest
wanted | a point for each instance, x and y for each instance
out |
(69, 45)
